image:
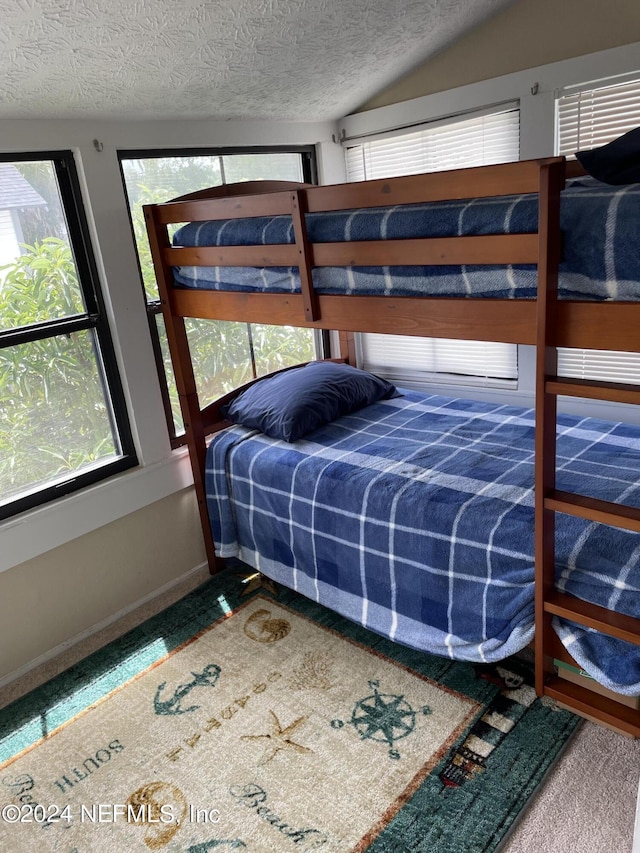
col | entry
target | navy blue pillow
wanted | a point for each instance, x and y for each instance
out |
(292, 404)
(617, 162)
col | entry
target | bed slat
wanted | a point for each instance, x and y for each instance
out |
(278, 255)
(615, 392)
(434, 251)
(593, 509)
(510, 321)
(476, 182)
(593, 706)
(615, 624)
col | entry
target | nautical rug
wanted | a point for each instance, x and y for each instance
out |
(256, 723)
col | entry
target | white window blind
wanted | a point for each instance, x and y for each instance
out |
(599, 364)
(589, 116)
(458, 142)
(416, 361)
(455, 143)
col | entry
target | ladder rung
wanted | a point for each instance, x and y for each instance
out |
(594, 706)
(616, 392)
(604, 512)
(593, 616)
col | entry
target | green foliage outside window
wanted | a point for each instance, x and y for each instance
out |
(53, 416)
(224, 354)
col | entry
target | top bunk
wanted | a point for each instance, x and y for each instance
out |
(472, 253)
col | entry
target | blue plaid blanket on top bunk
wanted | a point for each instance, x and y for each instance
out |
(414, 517)
(600, 226)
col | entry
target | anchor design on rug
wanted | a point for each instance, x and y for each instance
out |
(383, 717)
(207, 678)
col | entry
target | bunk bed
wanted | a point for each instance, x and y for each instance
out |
(317, 260)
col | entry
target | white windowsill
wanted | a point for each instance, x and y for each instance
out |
(36, 531)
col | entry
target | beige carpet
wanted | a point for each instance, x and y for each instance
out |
(588, 802)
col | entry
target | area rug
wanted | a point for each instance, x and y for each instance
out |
(250, 722)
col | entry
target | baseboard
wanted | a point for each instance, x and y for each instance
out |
(201, 569)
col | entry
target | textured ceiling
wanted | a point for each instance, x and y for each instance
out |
(263, 59)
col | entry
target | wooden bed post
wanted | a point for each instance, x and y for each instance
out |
(185, 379)
(551, 184)
(549, 500)
(348, 348)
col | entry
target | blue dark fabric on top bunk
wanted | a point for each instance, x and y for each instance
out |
(600, 225)
(414, 517)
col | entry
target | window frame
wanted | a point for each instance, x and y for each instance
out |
(153, 307)
(94, 320)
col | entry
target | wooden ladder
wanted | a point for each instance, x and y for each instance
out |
(548, 500)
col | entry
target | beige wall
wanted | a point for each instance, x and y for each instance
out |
(47, 601)
(527, 34)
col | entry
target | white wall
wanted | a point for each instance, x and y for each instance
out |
(9, 241)
(53, 600)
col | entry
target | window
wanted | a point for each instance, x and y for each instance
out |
(224, 354)
(588, 116)
(452, 143)
(415, 361)
(478, 140)
(63, 422)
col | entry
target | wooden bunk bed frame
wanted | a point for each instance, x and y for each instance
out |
(544, 322)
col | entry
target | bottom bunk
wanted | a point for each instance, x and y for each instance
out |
(414, 516)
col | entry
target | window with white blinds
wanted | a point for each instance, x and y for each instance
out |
(586, 117)
(478, 140)
(604, 365)
(454, 143)
(416, 361)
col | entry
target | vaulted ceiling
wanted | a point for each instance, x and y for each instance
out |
(305, 60)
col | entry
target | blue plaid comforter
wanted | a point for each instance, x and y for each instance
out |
(414, 517)
(600, 225)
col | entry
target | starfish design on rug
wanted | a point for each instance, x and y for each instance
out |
(256, 580)
(279, 738)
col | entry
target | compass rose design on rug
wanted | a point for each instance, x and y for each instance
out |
(384, 717)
